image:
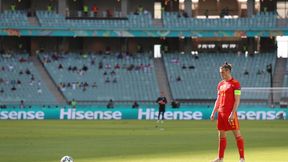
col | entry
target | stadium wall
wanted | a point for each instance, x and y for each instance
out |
(125, 113)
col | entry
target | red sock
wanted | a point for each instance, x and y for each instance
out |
(221, 147)
(240, 145)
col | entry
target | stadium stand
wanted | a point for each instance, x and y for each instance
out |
(14, 19)
(54, 20)
(20, 80)
(106, 77)
(199, 77)
(258, 21)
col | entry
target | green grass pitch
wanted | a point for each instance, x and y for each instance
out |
(137, 141)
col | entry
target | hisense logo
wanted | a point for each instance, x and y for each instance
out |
(89, 115)
(151, 114)
(261, 115)
(14, 115)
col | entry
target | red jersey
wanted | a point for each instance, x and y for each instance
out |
(226, 96)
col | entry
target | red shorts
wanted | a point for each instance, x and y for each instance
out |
(223, 123)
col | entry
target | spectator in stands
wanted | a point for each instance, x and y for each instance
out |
(178, 79)
(175, 104)
(139, 48)
(110, 104)
(130, 67)
(2, 91)
(184, 66)
(112, 73)
(191, 67)
(62, 87)
(146, 12)
(20, 72)
(22, 105)
(10, 67)
(32, 78)
(100, 65)
(27, 71)
(174, 60)
(60, 66)
(73, 103)
(206, 13)
(224, 12)
(94, 85)
(18, 82)
(114, 80)
(108, 66)
(13, 7)
(246, 72)
(92, 62)
(13, 88)
(95, 10)
(107, 80)
(81, 72)
(74, 86)
(109, 13)
(117, 66)
(182, 13)
(21, 60)
(185, 14)
(85, 68)
(85, 10)
(135, 105)
(49, 7)
(265, 9)
(74, 69)
(69, 68)
(140, 9)
(85, 84)
(39, 90)
(259, 72)
(196, 56)
(67, 12)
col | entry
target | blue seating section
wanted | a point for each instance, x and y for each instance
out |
(10, 68)
(201, 82)
(140, 84)
(259, 21)
(14, 19)
(54, 20)
(144, 20)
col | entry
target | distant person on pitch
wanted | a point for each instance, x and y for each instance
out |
(162, 101)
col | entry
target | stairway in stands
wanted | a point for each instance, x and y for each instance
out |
(48, 81)
(162, 78)
(278, 76)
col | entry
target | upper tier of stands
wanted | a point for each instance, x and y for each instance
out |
(14, 19)
(259, 21)
(130, 78)
(200, 77)
(20, 80)
(171, 20)
(54, 20)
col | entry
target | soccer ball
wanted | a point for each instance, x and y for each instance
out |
(66, 159)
